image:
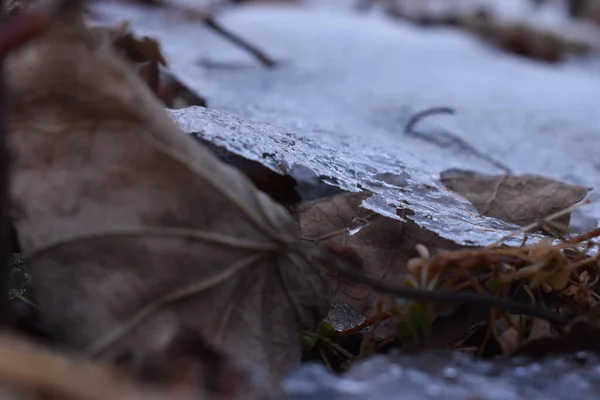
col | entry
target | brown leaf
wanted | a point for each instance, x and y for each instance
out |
(147, 59)
(539, 328)
(580, 335)
(523, 39)
(518, 199)
(140, 50)
(507, 335)
(381, 248)
(132, 229)
(517, 38)
(29, 371)
(190, 364)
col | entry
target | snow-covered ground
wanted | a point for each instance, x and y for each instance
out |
(349, 81)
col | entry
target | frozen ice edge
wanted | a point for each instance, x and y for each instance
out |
(435, 207)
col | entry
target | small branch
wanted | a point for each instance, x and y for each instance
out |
(417, 117)
(585, 236)
(537, 224)
(258, 54)
(338, 266)
(205, 15)
(330, 343)
(409, 129)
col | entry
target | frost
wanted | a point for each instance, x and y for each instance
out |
(351, 168)
(450, 376)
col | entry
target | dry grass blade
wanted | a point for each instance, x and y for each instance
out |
(537, 224)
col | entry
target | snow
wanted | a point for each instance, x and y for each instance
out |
(347, 85)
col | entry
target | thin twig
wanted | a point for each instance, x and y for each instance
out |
(198, 287)
(27, 301)
(455, 140)
(417, 117)
(330, 343)
(338, 266)
(585, 236)
(466, 285)
(365, 324)
(206, 16)
(263, 58)
(536, 224)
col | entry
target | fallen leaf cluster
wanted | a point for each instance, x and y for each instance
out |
(514, 37)
(166, 267)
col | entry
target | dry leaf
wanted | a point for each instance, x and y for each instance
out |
(132, 229)
(539, 328)
(508, 340)
(140, 50)
(522, 39)
(517, 38)
(147, 59)
(580, 335)
(518, 199)
(189, 364)
(381, 246)
(29, 371)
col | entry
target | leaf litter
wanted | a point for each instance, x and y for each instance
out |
(520, 200)
(149, 253)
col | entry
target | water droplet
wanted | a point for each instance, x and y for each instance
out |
(357, 224)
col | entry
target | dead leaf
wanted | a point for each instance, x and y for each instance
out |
(522, 39)
(29, 371)
(507, 336)
(133, 230)
(539, 328)
(381, 246)
(580, 335)
(147, 59)
(140, 50)
(190, 364)
(520, 199)
(517, 38)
